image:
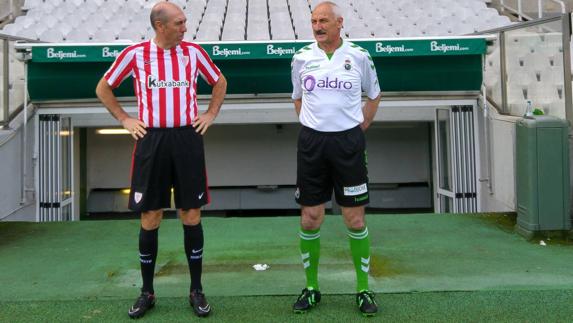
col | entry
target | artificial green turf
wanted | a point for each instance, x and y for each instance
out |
(88, 265)
(481, 306)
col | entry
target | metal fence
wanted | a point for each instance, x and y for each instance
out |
(533, 9)
(531, 61)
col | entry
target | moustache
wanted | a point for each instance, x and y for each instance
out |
(320, 32)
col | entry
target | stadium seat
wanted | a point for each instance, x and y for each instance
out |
(232, 34)
(304, 34)
(105, 34)
(24, 21)
(79, 35)
(52, 35)
(362, 17)
(11, 29)
(543, 94)
(133, 35)
(208, 33)
(30, 4)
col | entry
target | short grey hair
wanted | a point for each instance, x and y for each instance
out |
(335, 8)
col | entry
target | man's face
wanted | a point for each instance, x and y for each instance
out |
(174, 29)
(325, 26)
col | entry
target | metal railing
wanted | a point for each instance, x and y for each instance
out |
(531, 61)
(12, 88)
(540, 8)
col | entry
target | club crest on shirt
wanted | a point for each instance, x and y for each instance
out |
(184, 60)
(347, 65)
(137, 197)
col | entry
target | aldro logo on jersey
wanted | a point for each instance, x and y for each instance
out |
(309, 83)
(154, 83)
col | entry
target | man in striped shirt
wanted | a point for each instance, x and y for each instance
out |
(168, 150)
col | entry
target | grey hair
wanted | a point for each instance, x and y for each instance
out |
(335, 8)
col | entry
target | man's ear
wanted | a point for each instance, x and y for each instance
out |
(158, 25)
(340, 22)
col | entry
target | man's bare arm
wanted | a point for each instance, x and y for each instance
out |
(297, 106)
(105, 94)
(205, 119)
(369, 111)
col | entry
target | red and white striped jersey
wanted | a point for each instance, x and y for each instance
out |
(165, 80)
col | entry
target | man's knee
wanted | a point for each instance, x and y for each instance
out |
(150, 220)
(312, 217)
(190, 216)
(354, 217)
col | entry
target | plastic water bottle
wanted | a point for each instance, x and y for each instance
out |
(528, 109)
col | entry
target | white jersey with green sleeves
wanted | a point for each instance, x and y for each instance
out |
(331, 89)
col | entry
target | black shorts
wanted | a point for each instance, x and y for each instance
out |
(167, 158)
(332, 160)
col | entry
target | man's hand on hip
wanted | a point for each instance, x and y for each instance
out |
(203, 122)
(135, 127)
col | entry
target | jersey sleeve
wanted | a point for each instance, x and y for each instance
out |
(295, 78)
(121, 68)
(370, 83)
(207, 69)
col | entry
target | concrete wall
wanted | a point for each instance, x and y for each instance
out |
(11, 206)
(497, 154)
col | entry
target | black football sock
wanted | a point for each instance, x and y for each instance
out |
(148, 242)
(193, 241)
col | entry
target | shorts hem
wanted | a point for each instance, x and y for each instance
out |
(354, 204)
(147, 209)
(311, 203)
(192, 206)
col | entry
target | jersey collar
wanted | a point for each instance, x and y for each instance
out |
(320, 50)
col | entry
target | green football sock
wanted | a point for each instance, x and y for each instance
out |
(360, 249)
(310, 252)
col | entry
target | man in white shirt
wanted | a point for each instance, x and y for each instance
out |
(328, 78)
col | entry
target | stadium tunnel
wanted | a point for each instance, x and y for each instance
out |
(423, 132)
